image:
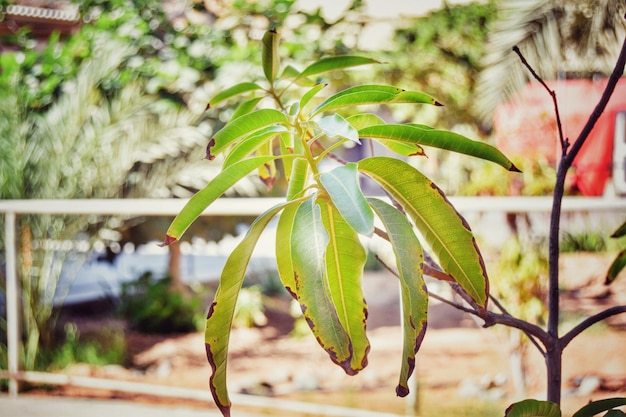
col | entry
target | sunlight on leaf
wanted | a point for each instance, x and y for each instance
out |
(335, 126)
(444, 230)
(342, 185)
(345, 259)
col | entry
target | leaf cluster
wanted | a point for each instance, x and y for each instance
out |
(319, 254)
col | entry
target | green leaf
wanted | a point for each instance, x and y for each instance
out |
(335, 126)
(233, 91)
(220, 316)
(284, 263)
(373, 94)
(335, 63)
(445, 231)
(409, 259)
(533, 408)
(291, 73)
(616, 267)
(308, 251)
(361, 120)
(203, 198)
(342, 185)
(306, 97)
(345, 259)
(596, 407)
(245, 107)
(242, 126)
(271, 58)
(621, 231)
(298, 178)
(440, 139)
(251, 143)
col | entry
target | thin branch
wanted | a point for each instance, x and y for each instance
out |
(618, 72)
(590, 321)
(532, 339)
(564, 141)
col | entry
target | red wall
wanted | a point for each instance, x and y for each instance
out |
(526, 125)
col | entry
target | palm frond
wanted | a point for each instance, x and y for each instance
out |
(560, 39)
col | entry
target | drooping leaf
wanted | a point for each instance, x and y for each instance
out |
(335, 63)
(373, 94)
(251, 143)
(308, 251)
(242, 126)
(245, 107)
(533, 408)
(270, 55)
(342, 185)
(444, 229)
(345, 259)
(203, 198)
(220, 316)
(233, 91)
(442, 139)
(284, 263)
(617, 266)
(409, 259)
(335, 126)
(596, 407)
(298, 178)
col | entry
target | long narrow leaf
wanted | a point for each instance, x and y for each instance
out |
(220, 316)
(284, 264)
(409, 259)
(343, 188)
(306, 97)
(203, 198)
(445, 231)
(242, 126)
(617, 266)
(442, 139)
(251, 143)
(298, 178)
(335, 63)
(373, 94)
(596, 407)
(233, 91)
(245, 107)
(270, 56)
(345, 259)
(308, 251)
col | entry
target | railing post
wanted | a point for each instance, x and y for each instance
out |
(12, 302)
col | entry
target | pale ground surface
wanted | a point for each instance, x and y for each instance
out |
(459, 362)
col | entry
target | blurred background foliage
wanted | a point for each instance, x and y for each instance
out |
(117, 108)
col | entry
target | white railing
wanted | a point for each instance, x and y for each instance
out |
(221, 207)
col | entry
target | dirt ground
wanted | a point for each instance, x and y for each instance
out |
(460, 365)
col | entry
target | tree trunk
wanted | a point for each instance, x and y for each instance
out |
(554, 356)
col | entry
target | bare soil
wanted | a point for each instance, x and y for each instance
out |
(459, 365)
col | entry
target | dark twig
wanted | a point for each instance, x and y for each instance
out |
(564, 141)
(590, 321)
(531, 337)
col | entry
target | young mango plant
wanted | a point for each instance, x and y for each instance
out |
(319, 254)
